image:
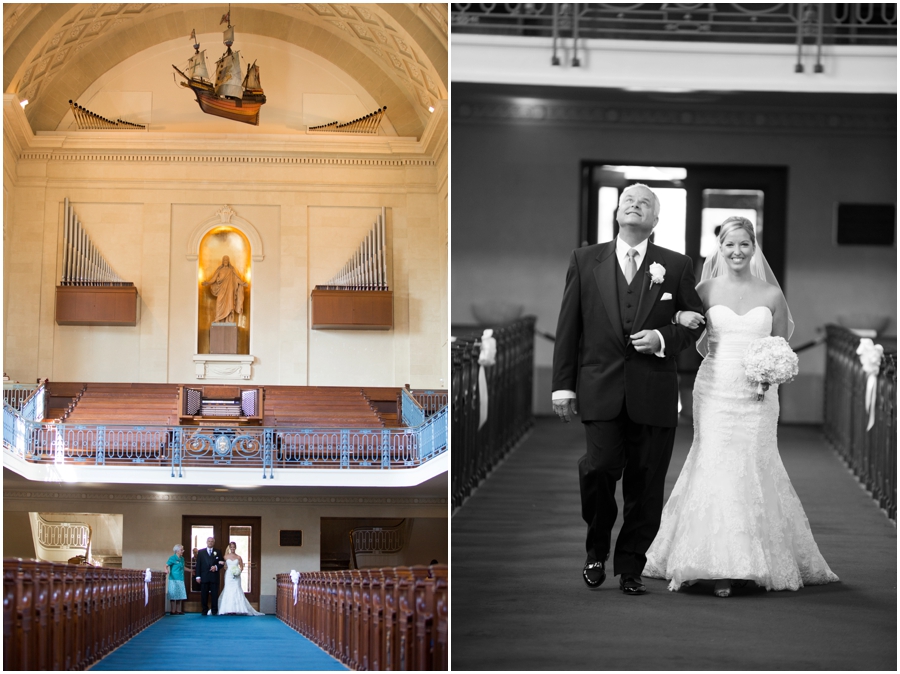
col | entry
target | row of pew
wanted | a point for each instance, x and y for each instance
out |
(372, 619)
(63, 616)
(285, 406)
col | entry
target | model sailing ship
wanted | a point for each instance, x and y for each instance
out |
(231, 96)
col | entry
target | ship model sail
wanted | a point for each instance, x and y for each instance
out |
(231, 96)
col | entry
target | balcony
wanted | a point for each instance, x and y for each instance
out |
(149, 453)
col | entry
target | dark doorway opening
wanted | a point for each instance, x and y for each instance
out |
(244, 531)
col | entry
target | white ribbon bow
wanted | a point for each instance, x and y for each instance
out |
(295, 579)
(486, 356)
(148, 576)
(870, 355)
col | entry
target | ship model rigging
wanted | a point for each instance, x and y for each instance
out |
(232, 96)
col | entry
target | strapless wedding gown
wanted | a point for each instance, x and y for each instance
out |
(733, 512)
(232, 600)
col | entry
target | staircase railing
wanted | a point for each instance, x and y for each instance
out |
(870, 454)
(15, 395)
(372, 619)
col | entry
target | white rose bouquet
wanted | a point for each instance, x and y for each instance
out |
(768, 361)
(236, 570)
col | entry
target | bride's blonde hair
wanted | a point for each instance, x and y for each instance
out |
(737, 222)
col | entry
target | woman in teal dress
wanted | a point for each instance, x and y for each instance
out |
(176, 592)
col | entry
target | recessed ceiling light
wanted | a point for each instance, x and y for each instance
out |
(219, 489)
(430, 108)
(23, 103)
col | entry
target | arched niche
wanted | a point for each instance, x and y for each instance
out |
(226, 216)
(224, 261)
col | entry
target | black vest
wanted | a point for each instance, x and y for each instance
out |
(629, 296)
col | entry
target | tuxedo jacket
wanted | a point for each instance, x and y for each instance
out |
(204, 561)
(592, 354)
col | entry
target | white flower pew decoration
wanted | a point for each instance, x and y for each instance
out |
(295, 579)
(487, 356)
(148, 576)
(870, 356)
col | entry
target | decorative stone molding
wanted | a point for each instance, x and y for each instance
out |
(224, 498)
(223, 366)
(674, 115)
(221, 159)
(226, 216)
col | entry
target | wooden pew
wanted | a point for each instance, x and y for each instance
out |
(62, 616)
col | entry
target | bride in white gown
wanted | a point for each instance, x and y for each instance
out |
(733, 513)
(232, 601)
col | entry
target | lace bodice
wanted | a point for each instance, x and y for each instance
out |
(733, 512)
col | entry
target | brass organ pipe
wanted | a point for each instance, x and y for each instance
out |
(384, 278)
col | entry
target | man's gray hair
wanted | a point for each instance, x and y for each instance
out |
(177, 547)
(655, 198)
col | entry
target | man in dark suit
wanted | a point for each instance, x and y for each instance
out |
(206, 572)
(616, 343)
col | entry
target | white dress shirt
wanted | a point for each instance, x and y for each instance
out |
(622, 249)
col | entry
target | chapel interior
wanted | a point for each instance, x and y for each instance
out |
(163, 245)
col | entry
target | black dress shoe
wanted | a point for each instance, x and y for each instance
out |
(594, 573)
(631, 585)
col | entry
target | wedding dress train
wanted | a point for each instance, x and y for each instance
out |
(733, 512)
(232, 601)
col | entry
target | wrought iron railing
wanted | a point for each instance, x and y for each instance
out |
(59, 535)
(378, 539)
(430, 401)
(476, 450)
(262, 447)
(412, 412)
(867, 23)
(15, 395)
(870, 454)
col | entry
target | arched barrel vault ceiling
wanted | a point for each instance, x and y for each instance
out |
(397, 53)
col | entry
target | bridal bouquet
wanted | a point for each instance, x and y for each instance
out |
(236, 570)
(768, 361)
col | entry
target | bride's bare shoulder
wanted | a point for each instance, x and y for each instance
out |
(704, 288)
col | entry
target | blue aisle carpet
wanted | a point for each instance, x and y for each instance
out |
(218, 643)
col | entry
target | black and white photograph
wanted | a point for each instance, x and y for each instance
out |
(225, 336)
(673, 322)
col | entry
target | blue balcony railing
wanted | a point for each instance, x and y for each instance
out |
(266, 448)
(859, 23)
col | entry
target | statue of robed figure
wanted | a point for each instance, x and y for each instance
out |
(228, 288)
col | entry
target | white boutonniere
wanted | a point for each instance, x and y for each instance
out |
(657, 273)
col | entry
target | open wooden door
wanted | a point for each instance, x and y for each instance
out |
(243, 531)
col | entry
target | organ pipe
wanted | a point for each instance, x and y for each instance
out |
(83, 265)
(367, 267)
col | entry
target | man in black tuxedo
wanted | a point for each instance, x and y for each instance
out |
(616, 343)
(209, 563)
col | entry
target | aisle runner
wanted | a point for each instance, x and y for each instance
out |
(218, 643)
(519, 602)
